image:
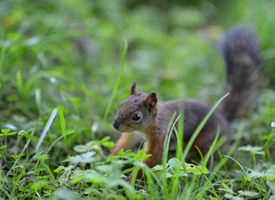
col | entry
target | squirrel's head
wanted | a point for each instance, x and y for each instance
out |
(137, 112)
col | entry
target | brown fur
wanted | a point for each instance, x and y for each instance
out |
(141, 111)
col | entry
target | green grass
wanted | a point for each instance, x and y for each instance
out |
(65, 67)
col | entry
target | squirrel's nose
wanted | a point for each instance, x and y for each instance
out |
(116, 124)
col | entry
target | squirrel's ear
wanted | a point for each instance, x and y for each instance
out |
(134, 88)
(152, 99)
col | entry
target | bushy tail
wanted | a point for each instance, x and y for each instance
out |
(240, 49)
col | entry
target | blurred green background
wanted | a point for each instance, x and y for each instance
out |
(66, 54)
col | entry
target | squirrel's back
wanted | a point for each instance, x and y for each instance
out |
(240, 49)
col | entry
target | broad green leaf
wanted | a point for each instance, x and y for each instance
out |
(252, 149)
(108, 144)
(12, 133)
(225, 186)
(39, 184)
(5, 131)
(158, 168)
(17, 156)
(105, 168)
(93, 191)
(198, 170)
(83, 158)
(80, 148)
(270, 174)
(42, 157)
(226, 190)
(271, 184)
(248, 193)
(76, 179)
(230, 196)
(58, 170)
(173, 162)
(105, 139)
(3, 147)
(94, 178)
(64, 193)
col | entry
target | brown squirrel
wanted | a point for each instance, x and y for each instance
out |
(141, 113)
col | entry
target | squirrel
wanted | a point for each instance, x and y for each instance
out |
(141, 112)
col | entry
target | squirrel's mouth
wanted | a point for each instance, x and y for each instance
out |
(122, 127)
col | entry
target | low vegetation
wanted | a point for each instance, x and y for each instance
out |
(66, 65)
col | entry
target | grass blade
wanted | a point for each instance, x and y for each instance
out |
(199, 128)
(222, 162)
(122, 63)
(20, 85)
(62, 123)
(46, 128)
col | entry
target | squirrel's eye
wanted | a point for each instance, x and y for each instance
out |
(136, 117)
